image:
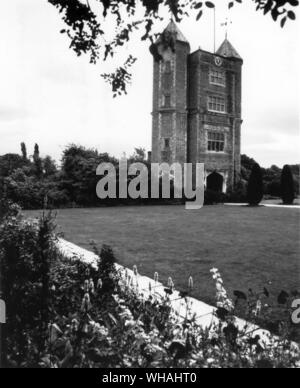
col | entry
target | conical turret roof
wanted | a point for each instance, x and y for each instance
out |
(227, 50)
(172, 28)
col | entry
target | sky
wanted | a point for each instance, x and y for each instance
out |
(51, 97)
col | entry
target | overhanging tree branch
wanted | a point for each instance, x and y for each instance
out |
(84, 20)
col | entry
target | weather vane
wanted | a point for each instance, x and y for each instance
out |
(226, 25)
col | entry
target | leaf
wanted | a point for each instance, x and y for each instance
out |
(275, 14)
(198, 5)
(240, 295)
(283, 298)
(291, 15)
(199, 15)
(209, 4)
(268, 6)
(113, 319)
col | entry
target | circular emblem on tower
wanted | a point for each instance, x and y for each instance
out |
(218, 61)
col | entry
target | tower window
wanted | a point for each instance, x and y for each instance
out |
(167, 101)
(216, 141)
(216, 104)
(166, 143)
(217, 78)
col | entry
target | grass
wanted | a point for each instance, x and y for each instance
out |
(252, 247)
(278, 201)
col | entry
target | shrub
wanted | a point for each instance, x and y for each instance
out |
(107, 273)
(26, 252)
(131, 330)
(287, 186)
(255, 186)
(238, 194)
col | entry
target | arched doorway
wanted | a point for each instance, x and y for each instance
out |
(215, 182)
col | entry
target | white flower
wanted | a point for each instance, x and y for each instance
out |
(91, 286)
(130, 323)
(86, 303)
(170, 283)
(191, 283)
(210, 361)
(258, 308)
(99, 284)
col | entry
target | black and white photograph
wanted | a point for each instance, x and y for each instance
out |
(149, 187)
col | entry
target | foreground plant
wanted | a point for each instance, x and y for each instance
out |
(97, 317)
(125, 328)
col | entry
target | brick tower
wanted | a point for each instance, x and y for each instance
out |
(197, 108)
(169, 135)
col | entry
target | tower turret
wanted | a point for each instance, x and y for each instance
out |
(169, 129)
(228, 51)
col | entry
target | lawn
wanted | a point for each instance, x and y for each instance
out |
(252, 247)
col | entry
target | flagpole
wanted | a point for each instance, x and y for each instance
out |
(214, 29)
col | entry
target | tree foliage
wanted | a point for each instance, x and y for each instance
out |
(271, 176)
(24, 151)
(38, 165)
(85, 25)
(255, 186)
(287, 186)
(26, 252)
(74, 182)
(79, 173)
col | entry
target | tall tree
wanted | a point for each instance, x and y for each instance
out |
(287, 186)
(24, 151)
(38, 165)
(86, 25)
(255, 186)
(36, 153)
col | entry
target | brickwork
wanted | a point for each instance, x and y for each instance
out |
(189, 105)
